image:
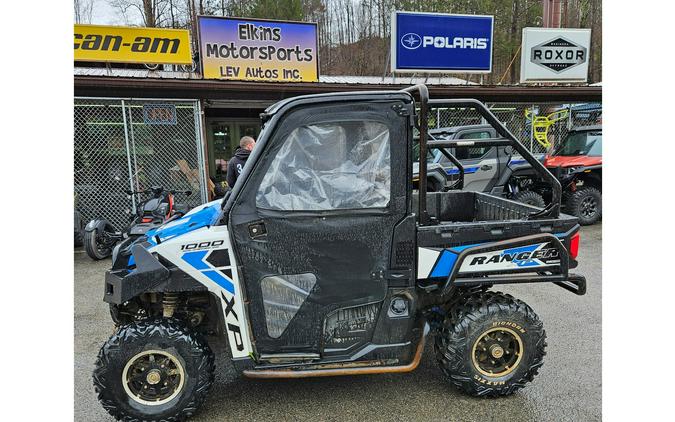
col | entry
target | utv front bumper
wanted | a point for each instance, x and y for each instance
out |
(122, 285)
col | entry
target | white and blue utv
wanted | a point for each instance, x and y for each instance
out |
(324, 261)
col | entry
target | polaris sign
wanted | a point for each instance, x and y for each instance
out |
(555, 55)
(438, 42)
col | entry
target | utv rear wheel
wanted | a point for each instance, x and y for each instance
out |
(585, 204)
(530, 198)
(152, 371)
(491, 345)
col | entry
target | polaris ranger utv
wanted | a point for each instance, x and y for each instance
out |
(333, 266)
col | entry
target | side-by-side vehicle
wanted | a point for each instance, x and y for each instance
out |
(322, 260)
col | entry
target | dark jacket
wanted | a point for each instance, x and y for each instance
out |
(236, 164)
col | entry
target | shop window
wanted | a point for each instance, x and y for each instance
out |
(341, 165)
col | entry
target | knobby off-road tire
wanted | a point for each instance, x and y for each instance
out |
(530, 198)
(128, 376)
(461, 346)
(585, 204)
(92, 248)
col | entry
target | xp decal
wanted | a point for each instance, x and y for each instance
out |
(206, 255)
(531, 256)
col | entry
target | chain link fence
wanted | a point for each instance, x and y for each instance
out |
(125, 145)
(537, 125)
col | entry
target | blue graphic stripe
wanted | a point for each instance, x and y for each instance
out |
(196, 259)
(444, 264)
(219, 279)
(467, 170)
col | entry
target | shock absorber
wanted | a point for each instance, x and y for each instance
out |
(169, 304)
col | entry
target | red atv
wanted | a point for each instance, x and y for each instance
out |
(577, 163)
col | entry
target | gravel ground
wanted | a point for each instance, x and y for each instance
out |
(568, 387)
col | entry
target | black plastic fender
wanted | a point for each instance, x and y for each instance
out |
(122, 285)
(98, 224)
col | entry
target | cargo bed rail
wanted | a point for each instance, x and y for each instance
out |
(506, 138)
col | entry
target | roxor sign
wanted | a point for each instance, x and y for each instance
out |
(439, 42)
(555, 55)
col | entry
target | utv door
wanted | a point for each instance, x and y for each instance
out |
(480, 163)
(313, 222)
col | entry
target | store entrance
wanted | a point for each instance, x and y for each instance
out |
(223, 137)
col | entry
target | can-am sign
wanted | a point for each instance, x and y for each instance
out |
(439, 42)
(555, 55)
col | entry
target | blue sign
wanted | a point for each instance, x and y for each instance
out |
(438, 42)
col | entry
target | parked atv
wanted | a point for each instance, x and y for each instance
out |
(577, 163)
(100, 237)
(492, 169)
(323, 261)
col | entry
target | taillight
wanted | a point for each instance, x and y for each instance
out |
(574, 245)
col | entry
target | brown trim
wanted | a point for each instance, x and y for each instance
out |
(286, 373)
(215, 89)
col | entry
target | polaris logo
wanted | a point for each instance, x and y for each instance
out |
(558, 54)
(412, 41)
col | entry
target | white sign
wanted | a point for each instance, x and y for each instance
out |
(555, 55)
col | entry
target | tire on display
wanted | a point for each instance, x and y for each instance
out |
(585, 204)
(530, 198)
(153, 370)
(490, 345)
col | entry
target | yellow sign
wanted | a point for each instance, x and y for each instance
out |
(122, 44)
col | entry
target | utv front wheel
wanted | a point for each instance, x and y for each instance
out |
(491, 345)
(152, 371)
(585, 204)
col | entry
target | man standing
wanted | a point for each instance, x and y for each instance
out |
(237, 162)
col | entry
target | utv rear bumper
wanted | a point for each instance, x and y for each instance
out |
(122, 285)
(574, 283)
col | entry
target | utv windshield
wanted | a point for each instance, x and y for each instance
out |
(581, 143)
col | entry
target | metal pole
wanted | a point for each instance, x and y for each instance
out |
(126, 140)
(199, 136)
(133, 148)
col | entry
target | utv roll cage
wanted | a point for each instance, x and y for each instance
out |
(552, 210)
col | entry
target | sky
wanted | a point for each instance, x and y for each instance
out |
(104, 14)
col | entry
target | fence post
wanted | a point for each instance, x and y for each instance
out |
(201, 159)
(126, 140)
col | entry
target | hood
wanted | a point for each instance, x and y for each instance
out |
(572, 161)
(198, 217)
(242, 153)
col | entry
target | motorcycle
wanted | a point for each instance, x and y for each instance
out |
(100, 237)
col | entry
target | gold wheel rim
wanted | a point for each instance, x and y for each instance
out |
(170, 366)
(497, 352)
